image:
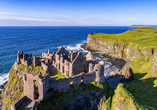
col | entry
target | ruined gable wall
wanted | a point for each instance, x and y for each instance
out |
(62, 51)
(78, 64)
(89, 56)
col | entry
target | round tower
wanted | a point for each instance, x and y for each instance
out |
(99, 69)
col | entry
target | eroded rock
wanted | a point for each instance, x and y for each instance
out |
(126, 74)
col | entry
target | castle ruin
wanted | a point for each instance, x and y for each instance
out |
(76, 67)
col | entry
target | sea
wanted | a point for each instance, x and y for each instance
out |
(35, 40)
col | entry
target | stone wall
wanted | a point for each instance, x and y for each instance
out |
(47, 55)
(45, 67)
(34, 85)
(78, 64)
(25, 62)
(18, 103)
(64, 84)
(68, 67)
(97, 74)
(36, 62)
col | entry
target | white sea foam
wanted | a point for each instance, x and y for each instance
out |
(108, 67)
(76, 47)
(3, 78)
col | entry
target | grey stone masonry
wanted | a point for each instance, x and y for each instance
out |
(77, 69)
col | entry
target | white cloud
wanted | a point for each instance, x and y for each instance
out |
(13, 16)
(31, 20)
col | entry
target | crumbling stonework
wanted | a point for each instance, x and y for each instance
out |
(77, 69)
(69, 63)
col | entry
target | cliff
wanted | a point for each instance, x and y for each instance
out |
(135, 44)
(13, 90)
(140, 46)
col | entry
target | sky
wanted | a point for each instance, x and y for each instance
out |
(77, 12)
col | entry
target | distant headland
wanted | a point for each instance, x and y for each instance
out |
(137, 26)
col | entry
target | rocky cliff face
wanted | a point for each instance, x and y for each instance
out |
(112, 49)
(118, 49)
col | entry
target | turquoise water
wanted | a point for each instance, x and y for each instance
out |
(36, 40)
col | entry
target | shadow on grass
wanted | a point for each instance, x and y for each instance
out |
(144, 89)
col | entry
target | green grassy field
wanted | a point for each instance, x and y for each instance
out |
(144, 87)
(58, 74)
(143, 36)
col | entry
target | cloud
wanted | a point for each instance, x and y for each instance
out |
(13, 16)
(13, 19)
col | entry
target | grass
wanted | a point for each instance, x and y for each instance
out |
(28, 69)
(144, 87)
(62, 99)
(142, 36)
(123, 99)
(58, 75)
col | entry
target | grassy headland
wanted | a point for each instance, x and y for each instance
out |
(143, 36)
(139, 45)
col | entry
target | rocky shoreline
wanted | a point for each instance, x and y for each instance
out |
(2, 86)
(118, 62)
(85, 47)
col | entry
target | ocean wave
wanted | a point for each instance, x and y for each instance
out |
(109, 69)
(75, 47)
(3, 78)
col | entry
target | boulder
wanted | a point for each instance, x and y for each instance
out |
(114, 73)
(126, 74)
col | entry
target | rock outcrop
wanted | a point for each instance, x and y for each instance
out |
(124, 75)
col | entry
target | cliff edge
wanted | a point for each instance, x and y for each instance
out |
(140, 46)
